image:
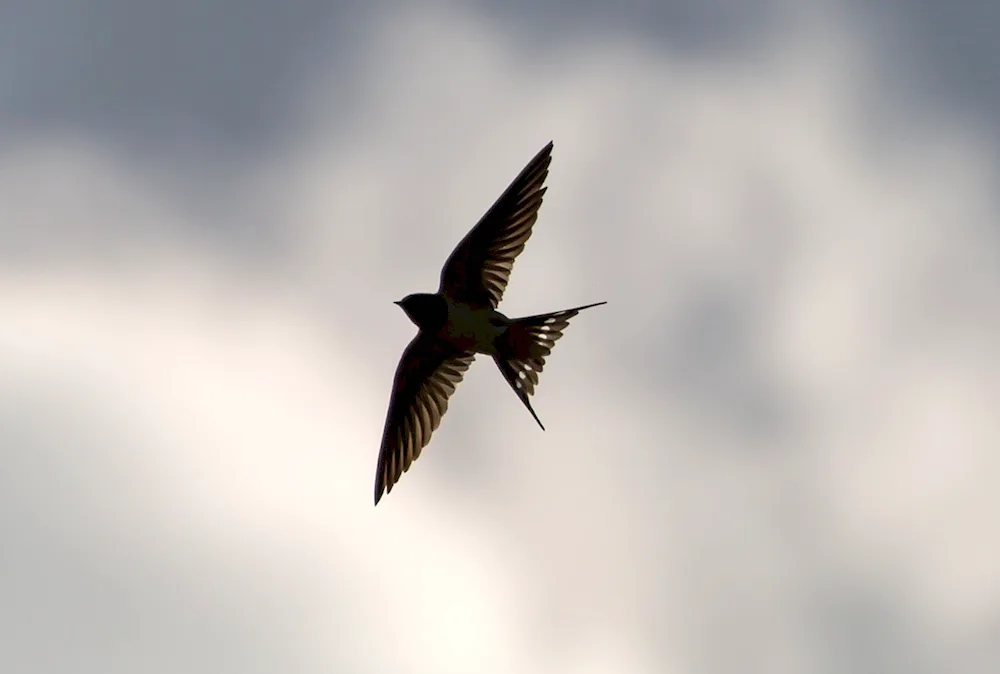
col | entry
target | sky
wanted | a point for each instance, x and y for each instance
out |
(774, 449)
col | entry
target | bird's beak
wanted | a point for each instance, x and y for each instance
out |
(398, 303)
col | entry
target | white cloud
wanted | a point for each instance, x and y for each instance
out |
(210, 433)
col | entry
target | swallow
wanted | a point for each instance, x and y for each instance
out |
(461, 320)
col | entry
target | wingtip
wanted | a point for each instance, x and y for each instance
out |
(545, 154)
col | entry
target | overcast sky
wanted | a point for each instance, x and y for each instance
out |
(774, 450)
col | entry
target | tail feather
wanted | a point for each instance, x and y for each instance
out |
(527, 342)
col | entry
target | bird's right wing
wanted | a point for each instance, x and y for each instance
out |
(477, 271)
(428, 374)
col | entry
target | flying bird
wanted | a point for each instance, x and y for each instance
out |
(461, 320)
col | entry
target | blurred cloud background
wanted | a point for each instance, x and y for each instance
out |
(774, 450)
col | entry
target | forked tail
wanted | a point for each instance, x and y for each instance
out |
(523, 348)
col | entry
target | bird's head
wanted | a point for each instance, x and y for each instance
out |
(427, 311)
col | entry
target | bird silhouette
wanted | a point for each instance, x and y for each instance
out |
(461, 320)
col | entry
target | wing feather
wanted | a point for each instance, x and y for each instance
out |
(428, 374)
(478, 269)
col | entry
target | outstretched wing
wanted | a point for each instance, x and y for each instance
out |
(478, 269)
(428, 374)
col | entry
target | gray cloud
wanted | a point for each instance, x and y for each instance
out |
(153, 77)
(772, 450)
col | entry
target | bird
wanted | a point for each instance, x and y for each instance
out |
(461, 320)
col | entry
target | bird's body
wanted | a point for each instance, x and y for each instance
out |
(474, 329)
(460, 325)
(461, 320)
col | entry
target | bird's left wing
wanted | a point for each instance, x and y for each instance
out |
(478, 269)
(428, 374)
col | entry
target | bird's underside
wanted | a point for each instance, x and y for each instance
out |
(473, 282)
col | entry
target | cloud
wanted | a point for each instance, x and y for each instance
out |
(772, 449)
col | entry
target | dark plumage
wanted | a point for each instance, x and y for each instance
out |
(461, 320)
(427, 311)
